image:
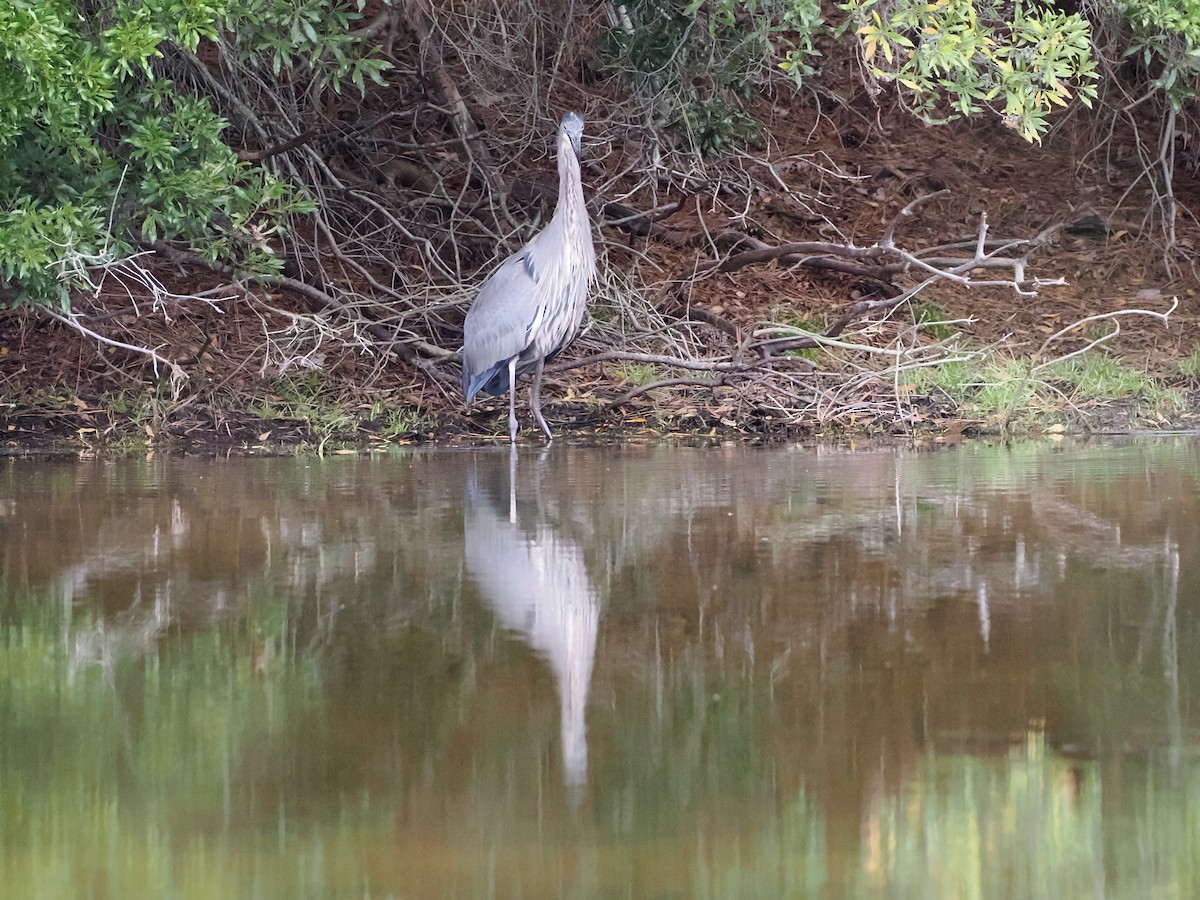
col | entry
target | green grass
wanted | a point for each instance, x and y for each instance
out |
(791, 317)
(1012, 388)
(1189, 366)
(639, 374)
(984, 387)
(402, 423)
(308, 399)
(1096, 376)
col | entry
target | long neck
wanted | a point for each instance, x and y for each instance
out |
(570, 186)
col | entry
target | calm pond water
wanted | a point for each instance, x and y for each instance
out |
(631, 672)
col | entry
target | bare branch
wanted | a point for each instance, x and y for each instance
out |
(1099, 317)
(178, 376)
(665, 382)
(799, 253)
(889, 233)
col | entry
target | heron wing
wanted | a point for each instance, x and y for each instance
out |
(498, 326)
(529, 309)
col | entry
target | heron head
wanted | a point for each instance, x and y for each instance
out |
(572, 127)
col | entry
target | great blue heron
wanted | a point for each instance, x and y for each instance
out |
(530, 308)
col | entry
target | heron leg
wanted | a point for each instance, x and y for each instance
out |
(535, 400)
(512, 399)
(512, 484)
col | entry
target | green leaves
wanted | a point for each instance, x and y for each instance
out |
(956, 58)
(315, 36)
(131, 43)
(36, 240)
(1165, 38)
(99, 151)
(50, 77)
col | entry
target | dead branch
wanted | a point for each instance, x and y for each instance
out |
(676, 304)
(717, 364)
(178, 376)
(664, 383)
(889, 233)
(640, 223)
(1162, 317)
(887, 260)
(815, 254)
(291, 144)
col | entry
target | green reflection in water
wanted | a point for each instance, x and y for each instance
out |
(1034, 825)
(814, 675)
(970, 828)
(117, 767)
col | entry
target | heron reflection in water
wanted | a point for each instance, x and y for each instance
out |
(533, 578)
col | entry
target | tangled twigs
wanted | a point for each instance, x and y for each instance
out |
(725, 368)
(72, 320)
(676, 303)
(422, 22)
(758, 353)
(629, 395)
(130, 277)
(813, 254)
(889, 260)
(291, 144)
(718, 364)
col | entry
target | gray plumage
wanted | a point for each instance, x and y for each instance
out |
(530, 308)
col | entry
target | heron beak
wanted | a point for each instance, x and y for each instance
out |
(572, 125)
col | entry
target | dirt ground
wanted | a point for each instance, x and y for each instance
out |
(61, 389)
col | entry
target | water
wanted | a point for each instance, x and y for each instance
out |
(640, 672)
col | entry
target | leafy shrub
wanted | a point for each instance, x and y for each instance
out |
(958, 57)
(1164, 37)
(101, 150)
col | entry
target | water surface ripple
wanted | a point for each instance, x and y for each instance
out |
(641, 672)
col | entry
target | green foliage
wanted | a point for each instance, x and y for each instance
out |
(804, 21)
(959, 57)
(99, 151)
(813, 324)
(308, 399)
(1099, 376)
(698, 62)
(716, 126)
(315, 35)
(400, 423)
(981, 387)
(989, 385)
(955, 379)
(1164, 36)
(1007, 387)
